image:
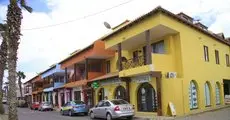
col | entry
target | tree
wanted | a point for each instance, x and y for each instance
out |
(14, 18)
(21, 75)
(3, 58)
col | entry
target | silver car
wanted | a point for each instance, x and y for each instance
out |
(111, 109)
(45, 106)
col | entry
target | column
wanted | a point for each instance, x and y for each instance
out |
(119, 50)
(159, 103)
(128, 89)
(148, 48)
(86, 68)
(65, 80)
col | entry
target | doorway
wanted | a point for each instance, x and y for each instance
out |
(146, 98)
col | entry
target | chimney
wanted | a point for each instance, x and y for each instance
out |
(185, 17)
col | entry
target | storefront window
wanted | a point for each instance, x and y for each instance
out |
(120, 93)
(193, 95)
(146, 98)
(101, 94)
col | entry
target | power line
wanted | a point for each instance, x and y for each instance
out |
(80, 18)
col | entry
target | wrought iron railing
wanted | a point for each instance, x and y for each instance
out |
(133, 62)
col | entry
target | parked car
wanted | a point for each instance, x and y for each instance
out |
(4, 100)
(74, 107)
(45, 106)
(34, 106)
(111, 109)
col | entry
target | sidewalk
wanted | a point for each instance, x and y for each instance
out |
(218, 114)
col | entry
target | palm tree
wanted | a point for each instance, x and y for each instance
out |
(21, 75)
(14, 18)
(3, 58)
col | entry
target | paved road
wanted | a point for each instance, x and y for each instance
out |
(27, 114)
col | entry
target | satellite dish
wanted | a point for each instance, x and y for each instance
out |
(107, 25)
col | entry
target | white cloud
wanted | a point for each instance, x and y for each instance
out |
(52, 44)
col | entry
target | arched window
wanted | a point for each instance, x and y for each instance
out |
(193, 97)
(207, 94)
(101, 94)
(146, 98)
(218, 99)
(120, 93)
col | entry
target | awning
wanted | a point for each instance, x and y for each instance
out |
(109, 75)
(59, 87)
(75, 84)
(48, 89)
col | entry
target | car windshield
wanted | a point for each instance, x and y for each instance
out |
(46, 103)
(78, 102)
(119, 102)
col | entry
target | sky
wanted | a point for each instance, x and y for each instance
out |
(45, 41)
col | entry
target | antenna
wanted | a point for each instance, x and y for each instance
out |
(107, 25)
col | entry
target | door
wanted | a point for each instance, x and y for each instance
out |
(146, 98)
(77, 95)
(62, 99)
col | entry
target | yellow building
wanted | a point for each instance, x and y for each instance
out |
(166, 58)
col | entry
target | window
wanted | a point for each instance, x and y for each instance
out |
(95, 67)
(135, 56)
(107, 66)
(217, 93)
(206, 56)
(207, 94)
(158, 47)
(217, 57)
(227, 60)
(193, 95)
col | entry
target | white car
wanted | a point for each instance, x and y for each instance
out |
(4, 100)
(112, 109)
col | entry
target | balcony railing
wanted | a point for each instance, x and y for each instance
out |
(133, 62)
(47, 85)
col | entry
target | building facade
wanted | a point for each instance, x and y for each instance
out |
(159, 62)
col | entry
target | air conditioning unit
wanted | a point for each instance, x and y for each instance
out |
(171, 75)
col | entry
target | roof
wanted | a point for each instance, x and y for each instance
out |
(75, 84)
(76, 53)
(109, 75)
(170, 14)
(121, 24)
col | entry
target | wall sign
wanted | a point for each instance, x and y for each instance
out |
(110, 81)
(141, 79)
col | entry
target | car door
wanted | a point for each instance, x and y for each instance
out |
(97, 109)
(103, 109)
(65, 108)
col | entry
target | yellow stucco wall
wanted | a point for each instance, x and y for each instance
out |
(109, 91)
(184, 55)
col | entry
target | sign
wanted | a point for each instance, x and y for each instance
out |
(141, 79)
(172, 109)
(110, 81)
(95, 85)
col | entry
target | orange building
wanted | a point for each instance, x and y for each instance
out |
(82, 66)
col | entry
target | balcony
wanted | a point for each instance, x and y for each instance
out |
(133, 62)
(47, 85)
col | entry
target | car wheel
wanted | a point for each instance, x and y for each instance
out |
(61, 112)
(70, 113)
(130, 117)
(86, 113)
(92, 115)
(108, 116)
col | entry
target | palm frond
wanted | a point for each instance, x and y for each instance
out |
(23, 4)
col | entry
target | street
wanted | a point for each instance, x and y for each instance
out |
(27, 114)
